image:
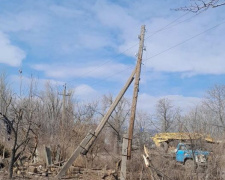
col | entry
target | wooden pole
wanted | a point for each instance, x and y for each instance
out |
(90, 138)
(135, 93)
(111, 109)
(74, 156)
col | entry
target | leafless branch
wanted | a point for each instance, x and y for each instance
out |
(201, 5)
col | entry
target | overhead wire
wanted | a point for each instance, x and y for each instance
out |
(106, 62)
(168, 26)
(131, 48)
(165, 27)
(166, 50)
(172, 47)
(99, 81)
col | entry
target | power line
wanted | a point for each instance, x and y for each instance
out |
(112, 75)
(166, 50)
(168, 27)
(106, 62)
(99, 81)
(165, 27)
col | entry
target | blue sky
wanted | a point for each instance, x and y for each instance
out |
(84, 44)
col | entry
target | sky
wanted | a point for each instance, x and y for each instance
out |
(92, 45)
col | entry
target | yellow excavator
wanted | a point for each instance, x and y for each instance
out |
(164, 140)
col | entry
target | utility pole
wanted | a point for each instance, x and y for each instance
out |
(135, 92)
(90, 138)
(63, 120)
(64, 94)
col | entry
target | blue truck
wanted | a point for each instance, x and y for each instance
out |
(186, 154)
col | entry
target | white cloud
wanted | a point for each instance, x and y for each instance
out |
(10, 54)
(85, 92)
(21, 21)
(148, 102)
(25, 82)
(92, 41)
(82, 92)
(84, 89)
(95, 69)
(65, 39)
(201, 55)
(66, 12)
(122, 20)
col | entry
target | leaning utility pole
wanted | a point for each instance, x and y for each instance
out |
(136, 89)
(90, 138)
(87, 142)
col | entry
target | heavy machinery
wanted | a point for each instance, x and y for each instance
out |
(164, 140)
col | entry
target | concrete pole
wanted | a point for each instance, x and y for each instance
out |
(123, 171)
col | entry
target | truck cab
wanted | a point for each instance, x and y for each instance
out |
(185, 153)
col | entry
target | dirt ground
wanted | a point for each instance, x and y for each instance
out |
(87, 175)
(164, 164)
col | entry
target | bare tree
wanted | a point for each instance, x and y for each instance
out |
(201, 119)
(195, 121)
(214, 101)
(5, 101)
(143, 129)
(165, 113)
(5, 94)
(117, 120)
(84, 119)
(49, 106)
(19, 122)
(202, 5)
(214, 108)
(85, 112)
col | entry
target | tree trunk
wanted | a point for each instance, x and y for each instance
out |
(118, 144)
(13, 156)
(11, 163)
